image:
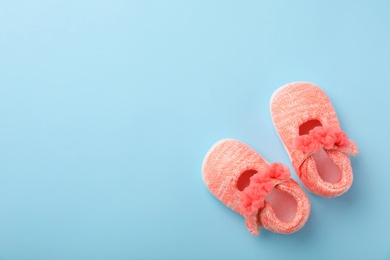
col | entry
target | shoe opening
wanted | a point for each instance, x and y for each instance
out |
(305, 128)
(326, 168)
(244, 179)
(283, 204)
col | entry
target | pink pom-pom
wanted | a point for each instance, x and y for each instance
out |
(267, 187)
(250, 205)
(306, 144)
(325, 135)
(342, 140)
(245, 200)
(246, 203)
(259, 179)
(279, 171)
(252, 197)
(256, 205)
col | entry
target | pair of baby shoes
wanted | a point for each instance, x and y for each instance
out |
(264, 193)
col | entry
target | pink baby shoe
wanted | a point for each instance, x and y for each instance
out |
(261, 192)
(308, 126)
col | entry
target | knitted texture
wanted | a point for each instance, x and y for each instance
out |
(319, 136)
(298, 103)
(227, 161)
(261, 183)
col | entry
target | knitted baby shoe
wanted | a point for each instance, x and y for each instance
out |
(263, 193)
(308, 126)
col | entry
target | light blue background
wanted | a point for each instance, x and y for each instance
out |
(108, 107)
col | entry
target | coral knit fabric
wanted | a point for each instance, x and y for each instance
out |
(295, 104)
(222, 167)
